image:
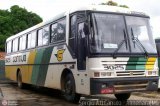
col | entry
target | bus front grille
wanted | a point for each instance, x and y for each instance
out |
(130, 86)
(130, 73)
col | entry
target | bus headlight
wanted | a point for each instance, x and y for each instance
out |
(96, 74)
(149, 72)
(104, 74)
(152, 73)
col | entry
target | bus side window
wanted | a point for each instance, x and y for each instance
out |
(72, 34)
(29, 40)
(53, 33)
(9, 47)
(40, 37)
(22, 42)
(15, 45)
(33, 39)
(58, 31)
(45, 37)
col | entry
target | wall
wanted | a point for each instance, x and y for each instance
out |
(2, 65)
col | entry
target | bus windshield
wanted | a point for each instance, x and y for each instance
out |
(140, 33)
(109, 34)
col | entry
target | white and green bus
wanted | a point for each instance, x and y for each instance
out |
(86, 51)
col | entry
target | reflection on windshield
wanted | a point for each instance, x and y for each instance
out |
(108, 33)
(139, 28)
(135, 40)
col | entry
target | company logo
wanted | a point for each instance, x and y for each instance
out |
(59, 54)
(20, 58)
(131, 73)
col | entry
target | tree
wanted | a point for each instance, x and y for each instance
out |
(112, 3)
(125, 6)
(14, 21)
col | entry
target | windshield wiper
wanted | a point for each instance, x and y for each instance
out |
(120, 45)
(135, 39)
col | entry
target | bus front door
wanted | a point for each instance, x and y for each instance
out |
(81, 47)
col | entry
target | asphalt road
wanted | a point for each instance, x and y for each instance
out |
(31, 96)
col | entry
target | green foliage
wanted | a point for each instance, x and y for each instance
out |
(125, 6)
(112, 3)
(15, 21)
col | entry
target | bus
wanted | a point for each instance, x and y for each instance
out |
(91, 50)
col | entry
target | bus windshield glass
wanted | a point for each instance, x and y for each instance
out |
(140, 34)
(109, 34)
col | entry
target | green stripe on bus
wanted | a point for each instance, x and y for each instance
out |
(36, 68)
(131, 66)
(44, 68)
(140, 67)
(136, 63)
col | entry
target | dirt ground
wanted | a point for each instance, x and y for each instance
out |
(11, 95)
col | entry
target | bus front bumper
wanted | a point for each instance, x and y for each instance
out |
(122, 85)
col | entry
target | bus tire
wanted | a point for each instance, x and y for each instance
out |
(123, 96)
(68, 91)
(19, 80)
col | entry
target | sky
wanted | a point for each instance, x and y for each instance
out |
(49, 8)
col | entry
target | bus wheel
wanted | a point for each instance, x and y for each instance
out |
(123, 96)
(19, 80)
(69, 92)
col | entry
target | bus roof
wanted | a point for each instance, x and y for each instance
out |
(104, 8)
(107, 8)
